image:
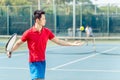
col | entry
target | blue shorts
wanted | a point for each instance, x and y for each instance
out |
(37, 69)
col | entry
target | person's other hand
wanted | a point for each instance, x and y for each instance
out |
(78, 43)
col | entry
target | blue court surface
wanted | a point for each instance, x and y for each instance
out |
(68, 63)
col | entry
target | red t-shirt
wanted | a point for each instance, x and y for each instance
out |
(37, 42)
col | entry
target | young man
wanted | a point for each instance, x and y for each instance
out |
(37, 37)
(89, 33)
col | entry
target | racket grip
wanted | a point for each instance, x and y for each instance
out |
(9, 54)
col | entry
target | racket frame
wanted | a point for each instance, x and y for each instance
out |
(6, 46)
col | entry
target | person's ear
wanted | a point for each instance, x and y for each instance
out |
(37, 20)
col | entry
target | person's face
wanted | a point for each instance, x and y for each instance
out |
(42, 20)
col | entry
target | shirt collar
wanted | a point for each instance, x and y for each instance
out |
(34, 29)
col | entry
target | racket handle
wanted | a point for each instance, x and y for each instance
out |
(9, 54)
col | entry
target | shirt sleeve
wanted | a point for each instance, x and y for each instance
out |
(24, 36)
(51, 35)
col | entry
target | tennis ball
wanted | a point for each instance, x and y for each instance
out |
(81, 28)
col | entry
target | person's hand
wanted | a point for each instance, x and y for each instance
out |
(78, 43)
(9, 54)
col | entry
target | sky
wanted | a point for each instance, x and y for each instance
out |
(105, 1)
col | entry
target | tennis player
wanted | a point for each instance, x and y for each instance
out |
(89, 33)
(37, 37)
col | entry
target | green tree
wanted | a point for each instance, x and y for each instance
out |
(15, 2)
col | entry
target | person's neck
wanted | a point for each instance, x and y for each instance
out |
(38, 27)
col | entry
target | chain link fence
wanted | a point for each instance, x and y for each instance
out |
(103, 18)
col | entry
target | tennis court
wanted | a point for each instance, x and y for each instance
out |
(68, 63)
(64, 18)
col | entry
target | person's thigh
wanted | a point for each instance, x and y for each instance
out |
(37, 70)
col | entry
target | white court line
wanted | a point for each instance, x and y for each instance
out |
(70, 70)
(82, 70)
(17, 68)
(56, 68)
(27, 52)
(81, 59)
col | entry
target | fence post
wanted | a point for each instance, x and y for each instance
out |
(74, 17)
(108, 16)
(8, 28)
(54, 12)
(30, 15)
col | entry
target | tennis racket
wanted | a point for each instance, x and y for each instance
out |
(10, 43)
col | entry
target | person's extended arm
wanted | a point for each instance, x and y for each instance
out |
(16, 45)
(65, 43)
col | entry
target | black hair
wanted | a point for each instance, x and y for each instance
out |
(38, 13)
